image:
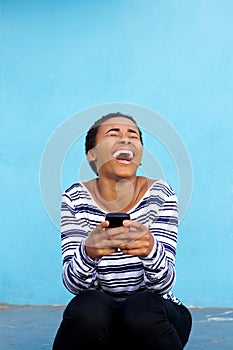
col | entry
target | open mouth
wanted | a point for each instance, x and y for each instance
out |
(124, 156)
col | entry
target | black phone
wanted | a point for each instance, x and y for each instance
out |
(116, 219)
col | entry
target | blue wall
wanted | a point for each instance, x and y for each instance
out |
(62, 57)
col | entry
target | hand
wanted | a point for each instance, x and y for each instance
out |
(99, 242)
(137, 240)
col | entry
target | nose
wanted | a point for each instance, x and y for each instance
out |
(124, 140)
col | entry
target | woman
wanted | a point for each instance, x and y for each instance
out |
(123, 276)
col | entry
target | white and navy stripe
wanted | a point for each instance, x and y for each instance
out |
(117, 274)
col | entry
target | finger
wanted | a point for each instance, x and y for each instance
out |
(127, 222)
(132, 223)
(98, 230)
(128, 243)
(131, 244)
(104, 224)
(135, 252)
(112, 232)
(100, 227)
(127, 236)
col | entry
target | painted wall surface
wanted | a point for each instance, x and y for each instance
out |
(62, 57)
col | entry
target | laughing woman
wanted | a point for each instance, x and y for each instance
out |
(122, 277)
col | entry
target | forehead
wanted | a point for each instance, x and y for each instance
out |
(119, 121)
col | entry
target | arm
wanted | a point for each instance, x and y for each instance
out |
(79, 271)
(159, 265)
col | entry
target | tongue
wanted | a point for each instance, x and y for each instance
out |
(123, 156)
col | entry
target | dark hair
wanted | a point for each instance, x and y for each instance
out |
(92, 132)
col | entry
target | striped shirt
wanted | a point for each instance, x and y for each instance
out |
(118, 274)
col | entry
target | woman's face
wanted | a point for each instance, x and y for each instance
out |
(118, 150)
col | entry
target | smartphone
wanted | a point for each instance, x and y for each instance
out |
(116, 219)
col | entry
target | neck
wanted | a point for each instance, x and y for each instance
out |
(116, 195)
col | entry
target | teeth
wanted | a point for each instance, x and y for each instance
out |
(123, 153)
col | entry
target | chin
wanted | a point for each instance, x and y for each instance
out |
(119, 171)
(125, 174)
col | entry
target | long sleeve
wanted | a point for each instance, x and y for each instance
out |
(159, 266)
(79, 271)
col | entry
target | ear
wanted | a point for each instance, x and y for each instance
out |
(91, 155)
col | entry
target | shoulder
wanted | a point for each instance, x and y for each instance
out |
(162, 189)
(75, 192)
(74, 188)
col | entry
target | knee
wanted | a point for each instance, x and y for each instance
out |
(142, 311)
(85, 321)
(90, 309)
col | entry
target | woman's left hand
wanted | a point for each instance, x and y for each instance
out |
(137, 241)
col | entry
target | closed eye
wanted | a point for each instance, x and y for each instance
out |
(133, 134)
(113, 131)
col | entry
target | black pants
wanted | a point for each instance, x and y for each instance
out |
(145, 319)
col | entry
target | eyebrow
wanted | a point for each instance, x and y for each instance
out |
(117, 129)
